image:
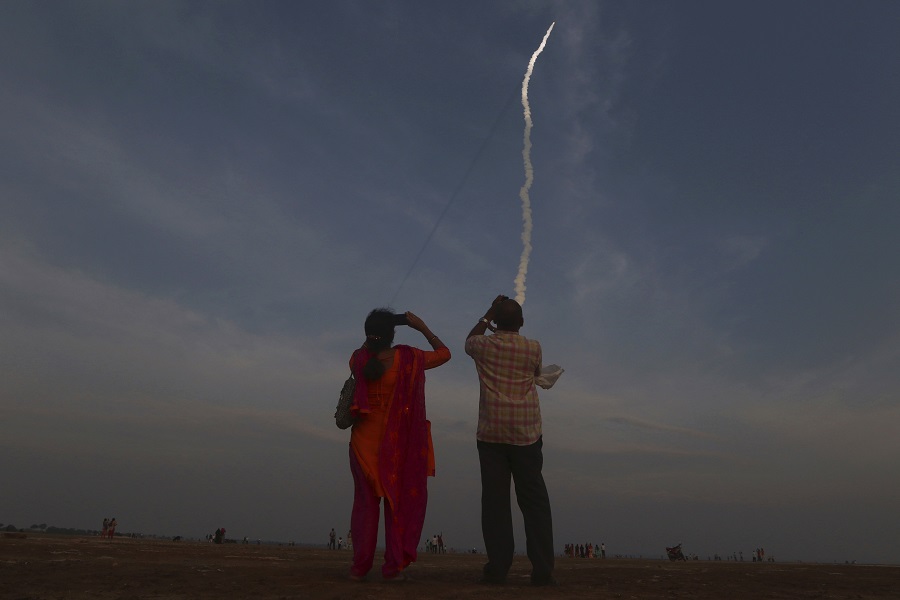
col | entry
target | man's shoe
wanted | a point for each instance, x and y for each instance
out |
(549, 582)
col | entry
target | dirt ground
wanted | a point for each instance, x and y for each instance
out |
(45, 567)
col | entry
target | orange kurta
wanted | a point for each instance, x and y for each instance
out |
(368, 431)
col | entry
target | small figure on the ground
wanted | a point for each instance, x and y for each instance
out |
(675, 553)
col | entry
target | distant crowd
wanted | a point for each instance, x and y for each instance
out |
(585, 550)
(757, 555)
(435, 544)
(109, 528)
(338, 543)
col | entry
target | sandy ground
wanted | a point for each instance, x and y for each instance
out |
(43, 567)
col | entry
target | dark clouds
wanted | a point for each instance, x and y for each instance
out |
(199, 203)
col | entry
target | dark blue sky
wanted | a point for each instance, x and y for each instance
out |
(200, 202)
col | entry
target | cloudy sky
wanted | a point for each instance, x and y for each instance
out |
(201, 201)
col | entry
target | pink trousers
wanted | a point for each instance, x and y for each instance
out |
(364, 526)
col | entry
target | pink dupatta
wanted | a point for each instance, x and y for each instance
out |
(403, 455)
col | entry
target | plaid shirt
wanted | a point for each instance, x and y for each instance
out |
(508, 407)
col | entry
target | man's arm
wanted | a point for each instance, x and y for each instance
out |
(480, 327)
(485, 323)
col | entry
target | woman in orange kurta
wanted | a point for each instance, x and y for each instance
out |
(391, 453)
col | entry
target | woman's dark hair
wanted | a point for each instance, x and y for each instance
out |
(379, 336)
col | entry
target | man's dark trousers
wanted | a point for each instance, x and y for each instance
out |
(499, 462)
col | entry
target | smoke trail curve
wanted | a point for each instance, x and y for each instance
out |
(529, 176)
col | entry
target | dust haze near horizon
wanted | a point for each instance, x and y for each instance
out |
(200, 202)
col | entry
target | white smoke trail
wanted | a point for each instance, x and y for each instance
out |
(529, 176)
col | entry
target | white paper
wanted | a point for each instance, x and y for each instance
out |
(548, 376)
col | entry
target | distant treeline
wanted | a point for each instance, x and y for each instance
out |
(44, 528)
(50, 529)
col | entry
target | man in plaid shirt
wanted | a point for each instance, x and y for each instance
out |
(509, 442)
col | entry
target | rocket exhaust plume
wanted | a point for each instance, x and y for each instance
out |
(529, 176)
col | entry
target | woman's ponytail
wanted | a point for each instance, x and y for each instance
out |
(379, 336)
(373, 369)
